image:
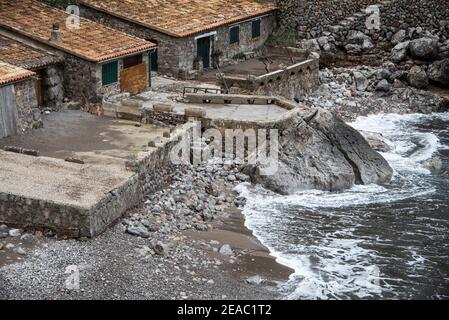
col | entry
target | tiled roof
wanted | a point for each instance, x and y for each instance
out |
(21, 55)
(10, 73)
(91, 41)
(180, 18)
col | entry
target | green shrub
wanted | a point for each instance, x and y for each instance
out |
(284, 37)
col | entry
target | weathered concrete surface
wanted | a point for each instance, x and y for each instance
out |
(81, 135)
(237, 112)
(73, 199)
(81, 199)
(231, 108)
(59, 181)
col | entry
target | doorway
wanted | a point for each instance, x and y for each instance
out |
(154, 56)
(153, 60)
(203, 51)
(40, 87)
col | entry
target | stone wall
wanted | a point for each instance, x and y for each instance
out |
(311, 17)
(54, 86)
(336, 19)
(429, 15)
(151, 171)
(29, 114)
(290, 83)
(154, 168)
(69, 220)
(83, 79)
(24, 212)
(152, 116)
(247, 43)
(176, 55)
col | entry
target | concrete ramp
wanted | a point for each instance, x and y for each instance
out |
(73, 199)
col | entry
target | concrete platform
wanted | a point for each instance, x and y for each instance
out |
(58, 181)
(73, 199)
(70, 198)
(237, 112)
(255, 66)
(95, 140)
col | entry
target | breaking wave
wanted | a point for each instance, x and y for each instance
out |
(348, 244)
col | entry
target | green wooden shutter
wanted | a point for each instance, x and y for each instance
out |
(234, 35)
(256, 28)
(109, 73)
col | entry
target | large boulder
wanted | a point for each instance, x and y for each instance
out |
(361, 82)
(357, 37)
(383, 85)
(311, 44)
(357, 41)
(321, 152)
(367, 44)
(398, 37)
(439, 72)
(376, 141)
(417, 78)
(399, 52)
(424, 49)
(368, 165)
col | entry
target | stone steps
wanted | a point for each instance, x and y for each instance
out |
(126, 109)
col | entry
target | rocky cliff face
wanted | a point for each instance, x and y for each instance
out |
(320, 151)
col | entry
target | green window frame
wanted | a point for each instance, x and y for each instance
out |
(109, 72)
(255, 27)
(234, 34)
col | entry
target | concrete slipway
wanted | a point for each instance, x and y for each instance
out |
(72, 198)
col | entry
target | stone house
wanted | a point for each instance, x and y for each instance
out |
(18, 101)
(97, 60)
(191, 34)
(48, 69)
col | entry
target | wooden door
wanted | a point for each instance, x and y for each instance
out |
(39, 90)
(203, 45)
(8, 112)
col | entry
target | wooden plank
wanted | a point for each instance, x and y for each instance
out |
(39, 93)
(8, 112)
(135, 79)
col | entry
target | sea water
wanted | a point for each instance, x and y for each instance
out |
(373, 241)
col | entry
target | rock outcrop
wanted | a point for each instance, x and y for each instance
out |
(321, 152)
(376, 141)
(424, 49)
(417, 78)
(399, 52)
(439, 72)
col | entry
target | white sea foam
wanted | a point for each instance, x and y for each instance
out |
(336, 264)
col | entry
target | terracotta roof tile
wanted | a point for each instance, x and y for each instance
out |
(21, 55)
(91, 41)
(10, 73)
(181, 18)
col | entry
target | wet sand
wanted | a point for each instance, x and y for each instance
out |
(253, 258)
